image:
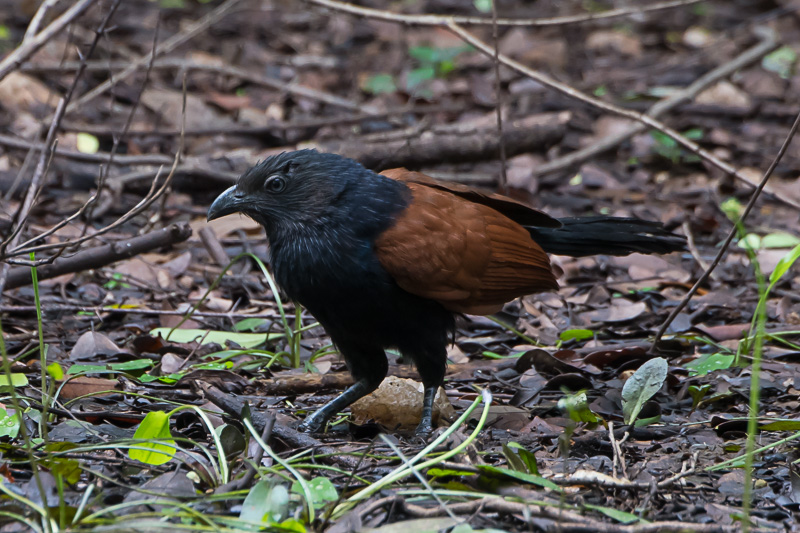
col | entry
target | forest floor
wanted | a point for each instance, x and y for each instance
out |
(236, 81)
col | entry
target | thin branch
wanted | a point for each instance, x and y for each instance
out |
(38, 17)
(767, 43)
(103, 255)
(166, 47)
(756, 193)
(33, 190)
(29, 46)
(444, 20)
(600, 104)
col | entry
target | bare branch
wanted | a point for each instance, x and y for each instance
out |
(30, 46)
(444, 20)
(724, 248)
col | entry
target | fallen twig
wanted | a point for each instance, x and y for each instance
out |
(100, 256)
(442, 20)
(767, 43)
(30, 45)
(570, 91)
(459, 143)
(724, 248)
(165, 47)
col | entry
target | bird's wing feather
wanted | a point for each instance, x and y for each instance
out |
(465, 255)
(520, 213)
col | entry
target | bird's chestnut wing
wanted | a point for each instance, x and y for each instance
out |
(465, 255)
(520, 213)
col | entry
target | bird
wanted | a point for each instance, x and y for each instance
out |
(388, 260)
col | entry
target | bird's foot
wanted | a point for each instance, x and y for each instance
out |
(424, 428)
(314, 423)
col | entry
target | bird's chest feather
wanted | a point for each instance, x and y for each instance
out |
(321, 268)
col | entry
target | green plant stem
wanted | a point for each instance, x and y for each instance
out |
(731, 462)
(405, 469)
(275, 457)
(42, 352)
(514, 330)
(222, 461)
(33, 461)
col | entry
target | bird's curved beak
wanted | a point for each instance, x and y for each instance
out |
(226, 203)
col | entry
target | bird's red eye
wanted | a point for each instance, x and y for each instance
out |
(275, 184)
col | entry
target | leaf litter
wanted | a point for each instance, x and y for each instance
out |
(559, 409)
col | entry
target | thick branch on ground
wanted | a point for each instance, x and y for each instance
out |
(453, 143)
(233, 407)
(102, 255)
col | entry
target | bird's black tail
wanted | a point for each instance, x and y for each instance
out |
(580, 236)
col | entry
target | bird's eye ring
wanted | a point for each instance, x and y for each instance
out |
(275, 184)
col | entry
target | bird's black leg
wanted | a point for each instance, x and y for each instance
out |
(315, 422)
(426, 422)
(368, 366)
(431, 367)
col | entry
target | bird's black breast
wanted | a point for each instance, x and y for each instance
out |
(332, 270)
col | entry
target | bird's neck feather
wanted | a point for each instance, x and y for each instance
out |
(341, 235)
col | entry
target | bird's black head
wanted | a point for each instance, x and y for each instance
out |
(290, 189)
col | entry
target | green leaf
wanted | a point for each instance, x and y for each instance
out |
(732, 208)
(446, 472)
(694, 134)
(155, 426)
(233, 442)
(423, 54)
(136, 364)
(663, 139)
(9, 424)
(245, 340)
(781, 61)
(87, 143)
(644, 422)
(519, 476)
(55, 371)
(709, 362)
(698, 393)
(641, 386)
(577, 407)
(13, 380)
(322, 491)
(779, 239)
(784, 265)
(781, 425)
(620, 516)
(418, 76)
(379, 84)
(484, 6)
(69, 469)
(292, 525)
(87, 369)
(250, 324)
(266, 503)
(514, 460)
(576, 334)
(527, 456)
(4, 33)
(751, 241)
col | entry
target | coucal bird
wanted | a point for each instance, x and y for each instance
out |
(386, 260)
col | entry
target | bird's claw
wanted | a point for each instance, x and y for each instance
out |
(424, 429)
